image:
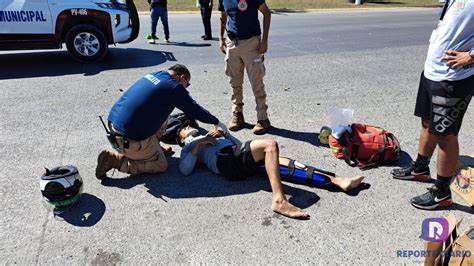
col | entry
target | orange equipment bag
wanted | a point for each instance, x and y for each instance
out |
(367, 147)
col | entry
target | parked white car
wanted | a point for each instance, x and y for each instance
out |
(87, 27)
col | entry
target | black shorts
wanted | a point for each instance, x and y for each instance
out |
(236, 162)
(444, 102)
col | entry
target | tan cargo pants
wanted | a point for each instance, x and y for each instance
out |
(145, 156)
(242, 56)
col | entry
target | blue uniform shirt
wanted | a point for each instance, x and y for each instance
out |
(242, 17)
(145, 106)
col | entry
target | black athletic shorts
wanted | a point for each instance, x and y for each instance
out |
(236, 162)
(444, 102)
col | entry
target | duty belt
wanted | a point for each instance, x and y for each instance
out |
(236, 39)
(115, 134)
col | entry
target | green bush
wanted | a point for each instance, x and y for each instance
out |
(190, 5)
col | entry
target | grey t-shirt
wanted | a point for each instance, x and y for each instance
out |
(207, 154)
(454, 32)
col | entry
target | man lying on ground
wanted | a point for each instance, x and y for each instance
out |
(224, 154)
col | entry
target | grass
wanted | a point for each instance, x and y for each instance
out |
(297, 5)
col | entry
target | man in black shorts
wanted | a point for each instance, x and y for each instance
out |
(224, 154)
(445, 90)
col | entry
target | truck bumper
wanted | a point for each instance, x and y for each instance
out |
(121, 28)
(123, 34)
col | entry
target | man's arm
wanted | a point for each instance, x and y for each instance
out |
(188, 105)
(216, 133)
(266, 27)
(223, 18)
(190, 152)
(187, 160)
(232, 138)
(456, 59)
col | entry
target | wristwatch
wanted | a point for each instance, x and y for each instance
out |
(471, 53)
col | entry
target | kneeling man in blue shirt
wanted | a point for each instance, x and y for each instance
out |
(138, 119)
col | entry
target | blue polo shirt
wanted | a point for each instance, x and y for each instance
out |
(242, 17)
(145, 106)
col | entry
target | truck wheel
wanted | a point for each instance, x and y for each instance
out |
(86, 43)
(134, 19)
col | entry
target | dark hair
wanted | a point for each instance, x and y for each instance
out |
(178, 136)
(180, 70)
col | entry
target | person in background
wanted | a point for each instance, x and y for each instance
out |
(245, 47)
(445, 91)
(159, 9)
(206, 12)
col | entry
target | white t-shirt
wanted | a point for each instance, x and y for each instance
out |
(454, 32)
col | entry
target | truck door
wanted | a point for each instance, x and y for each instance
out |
(25, 17)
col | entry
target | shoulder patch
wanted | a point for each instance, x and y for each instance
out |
(242, 5)
(152, 79)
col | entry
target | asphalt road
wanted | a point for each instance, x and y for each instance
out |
(369, 61)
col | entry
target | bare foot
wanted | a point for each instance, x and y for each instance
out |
(285, 208)
(347, 184)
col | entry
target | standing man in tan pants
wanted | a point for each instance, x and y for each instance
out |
(244, 47)
(138, 120)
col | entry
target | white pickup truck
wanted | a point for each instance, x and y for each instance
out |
(87, 27)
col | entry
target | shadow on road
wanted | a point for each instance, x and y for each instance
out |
(284, 11)
(87, 212)
(354, 192)
(405, 159)
(309, 137)
(202, 183)
(463, 208)
(468, 160)
(60, 63)
(457, 207)
(186, 44)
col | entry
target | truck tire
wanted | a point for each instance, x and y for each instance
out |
(86, 43)
(134, 20)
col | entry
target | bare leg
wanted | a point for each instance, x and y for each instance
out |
(345, 184)
(428, 142)
(267, 150)
(448, 154)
